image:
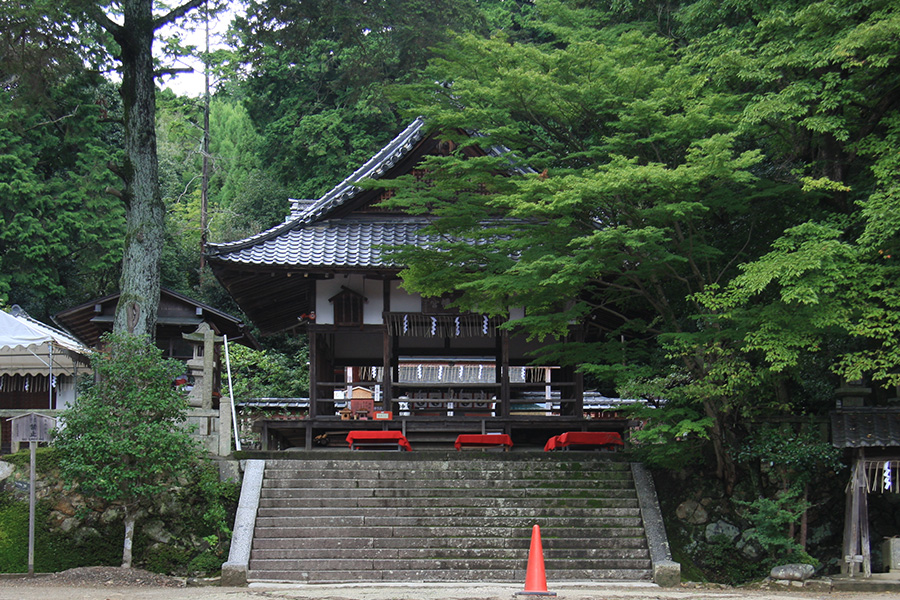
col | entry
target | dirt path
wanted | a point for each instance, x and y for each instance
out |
(15, 590)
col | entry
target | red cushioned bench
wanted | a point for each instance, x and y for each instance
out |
(474, 441)
(378, 440)
(595, 440)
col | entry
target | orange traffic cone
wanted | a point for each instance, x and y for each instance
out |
(535, 578)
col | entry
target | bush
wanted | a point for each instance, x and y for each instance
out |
(53, 550)
(722, 564)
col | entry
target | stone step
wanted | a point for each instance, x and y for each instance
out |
(312, 553)
(439, 564)
(450, 483)
(454, 460)
(477, 542)
(434, 532)
(450, 473)
(353, 514)
(440, 522)
(458, 492)
(457, 517)
(449, 575)
(369, 502)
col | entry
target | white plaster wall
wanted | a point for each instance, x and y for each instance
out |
(369, 288)
(401, 300)
(65, 392)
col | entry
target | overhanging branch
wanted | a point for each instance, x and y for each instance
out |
(176, 13)
(172, 71)
(99, 17)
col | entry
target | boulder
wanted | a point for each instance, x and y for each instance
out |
(692, 512)
(792, 572)
(156, 531)
(722, 528)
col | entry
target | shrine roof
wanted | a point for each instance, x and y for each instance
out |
(90, 320)
(305, 212)
(338, 243)
(865, 427)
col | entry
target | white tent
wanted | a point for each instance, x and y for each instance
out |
(28, 347)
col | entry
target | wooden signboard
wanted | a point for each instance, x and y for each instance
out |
(32, 427)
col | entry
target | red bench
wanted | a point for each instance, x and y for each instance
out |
(378, 440)
(474, 441)
(598, 440)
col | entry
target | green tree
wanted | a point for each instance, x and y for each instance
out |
(828, 285)
(320, 67)
(645, 196)
(145, 212)
(124, 439)
(665, 152)
(62, 235)
(271, 373)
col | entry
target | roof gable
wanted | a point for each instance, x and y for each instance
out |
(271, 275)
(304, 212)
(90, 320)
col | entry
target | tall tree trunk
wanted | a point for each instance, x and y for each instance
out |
(129, 538)
(145, 211)
(725, 468)
(804, 518)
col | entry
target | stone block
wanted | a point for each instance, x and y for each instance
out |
(667, 573)
(890, 553)
(234, 574)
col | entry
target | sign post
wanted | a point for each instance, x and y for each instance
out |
(32, 428)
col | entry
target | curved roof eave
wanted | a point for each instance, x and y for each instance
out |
(374, 168)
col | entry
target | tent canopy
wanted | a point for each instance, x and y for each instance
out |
(27, 347)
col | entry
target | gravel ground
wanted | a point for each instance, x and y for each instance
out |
(110, 583)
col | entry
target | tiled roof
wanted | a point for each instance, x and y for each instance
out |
(374, 168)
(306, 211)
(865, 427)
(352, 242)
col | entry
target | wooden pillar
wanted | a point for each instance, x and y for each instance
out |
(856, 547)
(505, 395)
(387, 363)
(313, 373)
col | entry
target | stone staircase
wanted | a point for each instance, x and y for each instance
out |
(464, 516)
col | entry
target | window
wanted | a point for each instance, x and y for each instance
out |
(348, 307)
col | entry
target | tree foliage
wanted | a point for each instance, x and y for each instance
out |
(270, 373)
(124, 438)
(727, 147)
(61, 236)
(318, 76)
